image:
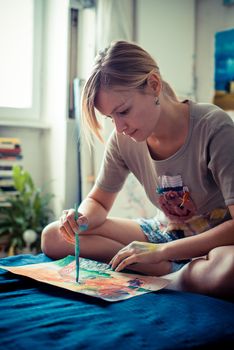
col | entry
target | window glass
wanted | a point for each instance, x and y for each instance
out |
(16, 59)
(224, 60)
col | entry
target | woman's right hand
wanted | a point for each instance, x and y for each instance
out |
(68, 226)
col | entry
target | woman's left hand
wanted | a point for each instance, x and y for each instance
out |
(137, 252)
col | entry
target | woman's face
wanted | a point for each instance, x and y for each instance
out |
(133, 112)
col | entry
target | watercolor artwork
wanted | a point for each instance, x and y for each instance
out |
(95, 279)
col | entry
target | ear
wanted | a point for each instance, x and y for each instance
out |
(154, 83)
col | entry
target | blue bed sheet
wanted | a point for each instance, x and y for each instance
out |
(40, 316)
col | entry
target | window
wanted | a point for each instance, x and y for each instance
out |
(224, 69)
(224, 60)
(20, 30)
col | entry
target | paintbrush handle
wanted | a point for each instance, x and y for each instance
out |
(77, 254)
(77, 242)
(77, 245)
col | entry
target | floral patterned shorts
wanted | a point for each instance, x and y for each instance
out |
(155, 233)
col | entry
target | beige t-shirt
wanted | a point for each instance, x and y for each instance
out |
(194, 184)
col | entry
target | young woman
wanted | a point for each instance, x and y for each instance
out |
(182, 154)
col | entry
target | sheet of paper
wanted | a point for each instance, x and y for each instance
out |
(96, 279)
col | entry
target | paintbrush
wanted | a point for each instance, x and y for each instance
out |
(77, 242)
(77, 246)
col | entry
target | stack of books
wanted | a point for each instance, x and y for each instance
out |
(10, 155)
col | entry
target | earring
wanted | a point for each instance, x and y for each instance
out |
(157, 102)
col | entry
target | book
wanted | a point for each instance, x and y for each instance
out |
(8, 145)
(10, 155)
(10, 140)
(6, 182)
(4, 195)
(5, 173)
(13, 151)
(7, 188)
(7, 164)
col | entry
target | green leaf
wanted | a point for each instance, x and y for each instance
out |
(28, 209)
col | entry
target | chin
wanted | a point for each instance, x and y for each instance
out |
(138, 138)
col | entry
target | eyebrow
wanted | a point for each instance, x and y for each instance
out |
(114, 110)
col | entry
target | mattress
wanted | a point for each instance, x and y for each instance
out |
(36, 315)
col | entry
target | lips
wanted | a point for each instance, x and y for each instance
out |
(130, 134)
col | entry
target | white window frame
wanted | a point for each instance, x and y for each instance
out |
(33, 113)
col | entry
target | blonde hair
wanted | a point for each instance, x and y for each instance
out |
(123, 64)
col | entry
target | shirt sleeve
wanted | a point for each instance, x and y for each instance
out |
(113, 171)
(221, 160)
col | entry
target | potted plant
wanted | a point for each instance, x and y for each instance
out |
(24, 214)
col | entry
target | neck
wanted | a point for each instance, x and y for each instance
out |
(171, 130)
(174, 115)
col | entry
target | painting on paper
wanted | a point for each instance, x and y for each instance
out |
(95, 279)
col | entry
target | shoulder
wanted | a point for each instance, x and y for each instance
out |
(209, 116)
(114, 142)
(116, 145)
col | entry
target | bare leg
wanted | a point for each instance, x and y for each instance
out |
(101, 243)
(212, 275)
(122, 231)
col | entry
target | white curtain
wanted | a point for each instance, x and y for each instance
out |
(115, 21)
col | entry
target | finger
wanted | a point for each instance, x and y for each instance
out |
(66, 228)
(71, 217)
(122, 254)
(115, 260)
(126, 262)
(70, 223)
(69, 229)
(67, 237)
(82, 223)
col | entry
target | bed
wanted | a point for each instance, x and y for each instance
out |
(36, 315)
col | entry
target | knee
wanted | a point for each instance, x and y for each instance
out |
(48, 237)
(213, 275)
(194, 276)
(222, 253)
(222, 259)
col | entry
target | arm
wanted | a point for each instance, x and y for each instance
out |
(201, 244)
(92, 212)
(97, 205)
(185, 248)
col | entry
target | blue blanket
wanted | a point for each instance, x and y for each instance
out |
(40, 316)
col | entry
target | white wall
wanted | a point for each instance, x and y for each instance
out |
(167, 30)
(211, 16)
(156, 24)
(86, 54)
(54, 97)
(44, 143)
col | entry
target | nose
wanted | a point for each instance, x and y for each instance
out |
(120, 124)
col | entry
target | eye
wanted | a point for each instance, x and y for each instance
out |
(124, 112)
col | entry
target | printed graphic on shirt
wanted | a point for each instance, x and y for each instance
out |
(200, 223)
(175, 199)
